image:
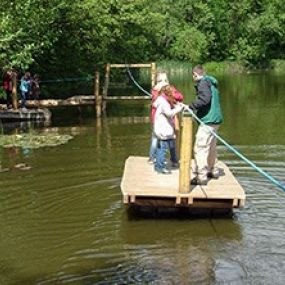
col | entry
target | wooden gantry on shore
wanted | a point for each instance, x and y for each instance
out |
(98, 99)
(142, 186)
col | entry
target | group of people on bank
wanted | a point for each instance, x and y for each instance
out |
(29, 87)
(166, 104)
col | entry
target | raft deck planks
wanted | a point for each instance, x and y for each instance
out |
(142, 186)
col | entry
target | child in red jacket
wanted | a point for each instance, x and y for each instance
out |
(178, 97)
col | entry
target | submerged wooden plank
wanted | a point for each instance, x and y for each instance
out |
(141, 181)
(120, 65)
(112, 98)
(25, 115)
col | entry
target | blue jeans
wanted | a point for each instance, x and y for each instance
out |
(24, 97)
(163, 146)
(153, 146)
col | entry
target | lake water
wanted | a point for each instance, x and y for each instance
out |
(63, 221)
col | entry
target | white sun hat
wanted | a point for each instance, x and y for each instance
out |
(160, 85)
(162, 76)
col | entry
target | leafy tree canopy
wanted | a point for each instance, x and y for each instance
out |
(61, 36)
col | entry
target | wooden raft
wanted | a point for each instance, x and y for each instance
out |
(142, 186)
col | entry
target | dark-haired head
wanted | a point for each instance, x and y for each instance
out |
(198, 69)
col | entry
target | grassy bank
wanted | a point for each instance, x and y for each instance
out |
(216, 68)
(278, 65)
(225, 67)
(178, 69)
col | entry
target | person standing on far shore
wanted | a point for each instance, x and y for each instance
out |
(7, 86)
(35, 88)
(25, 89)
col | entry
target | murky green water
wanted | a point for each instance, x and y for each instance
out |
(62, 221)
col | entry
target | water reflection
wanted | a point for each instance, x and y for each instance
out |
(22, 126)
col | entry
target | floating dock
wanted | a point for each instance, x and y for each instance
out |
(11, 115)
(142, 186)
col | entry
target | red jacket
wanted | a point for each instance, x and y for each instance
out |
(154, 93)
(7, 82)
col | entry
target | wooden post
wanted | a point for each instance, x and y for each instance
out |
(185, 154)
(14, 90)
(106, 86)
(177, 128)
(153, 73)
(98, 98)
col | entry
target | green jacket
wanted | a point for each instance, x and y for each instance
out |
(207, 103)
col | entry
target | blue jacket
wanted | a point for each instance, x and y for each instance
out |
(25, 84)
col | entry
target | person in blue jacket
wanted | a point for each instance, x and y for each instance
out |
(25, 89)
(208, 110)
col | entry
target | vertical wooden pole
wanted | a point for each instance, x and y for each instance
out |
(106, 86)
(185, 154)
(14, 90)
(153, 73)
(97, 97)
(177, 123)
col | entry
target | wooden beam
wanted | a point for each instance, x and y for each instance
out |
(106, 85)
(111, 98)
(241, 203)
(98, 98)
(176, 202)
(185, 155)
(235, 203)
(131, 65)
(153, 74)
(126, 199)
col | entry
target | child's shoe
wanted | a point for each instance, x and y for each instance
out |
(162, 170)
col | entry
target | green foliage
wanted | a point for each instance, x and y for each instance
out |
(27, 29)
(228, 67)
(61, 37)
(278, 65)
(190, 45)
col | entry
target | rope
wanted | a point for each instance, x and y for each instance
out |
(136, 83)
(90, 78)
(68, 79)
(234, 150)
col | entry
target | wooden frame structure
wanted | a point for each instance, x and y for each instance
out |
(105, 96)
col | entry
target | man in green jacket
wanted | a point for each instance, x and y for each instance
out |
(207, 106)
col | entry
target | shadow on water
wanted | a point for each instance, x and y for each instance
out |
(137, 212)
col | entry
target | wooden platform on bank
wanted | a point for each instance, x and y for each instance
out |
(142, 186)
